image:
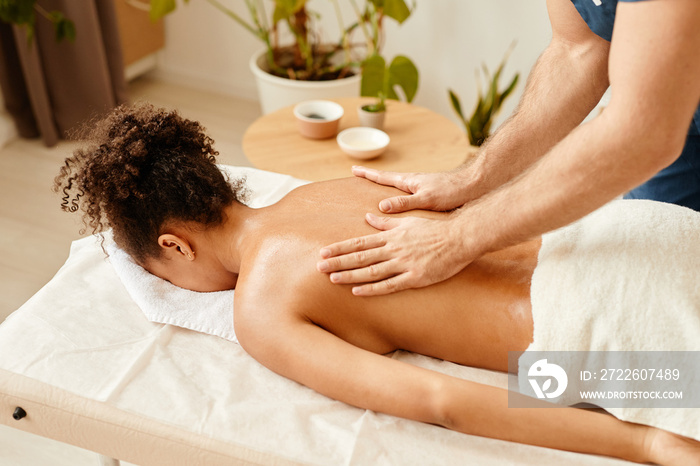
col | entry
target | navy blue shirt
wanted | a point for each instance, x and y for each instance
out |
(600, 17)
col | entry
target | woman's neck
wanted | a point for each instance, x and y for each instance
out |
(227, 242)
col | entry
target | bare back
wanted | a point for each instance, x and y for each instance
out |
(475, 318)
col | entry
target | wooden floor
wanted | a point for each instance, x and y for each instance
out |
(35, 235)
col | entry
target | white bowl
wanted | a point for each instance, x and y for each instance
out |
(318, 119)
(363, 143)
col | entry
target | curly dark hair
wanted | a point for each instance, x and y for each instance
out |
(143, 168)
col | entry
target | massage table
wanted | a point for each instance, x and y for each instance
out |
(80, 363)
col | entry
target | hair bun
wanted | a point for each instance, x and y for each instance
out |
(144, 166)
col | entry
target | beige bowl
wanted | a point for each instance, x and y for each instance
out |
(318, 119)
(363, 143)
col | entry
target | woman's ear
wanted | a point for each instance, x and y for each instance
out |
(176, 246)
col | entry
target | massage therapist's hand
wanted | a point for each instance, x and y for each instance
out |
(409, 252)
(428, 191)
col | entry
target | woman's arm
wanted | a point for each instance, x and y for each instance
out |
(298, 349)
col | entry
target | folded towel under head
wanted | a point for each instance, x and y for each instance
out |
(164, 303)
(212, 313)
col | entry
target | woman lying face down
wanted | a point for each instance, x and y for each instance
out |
(150, 176)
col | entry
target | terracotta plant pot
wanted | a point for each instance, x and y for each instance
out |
(371, 119)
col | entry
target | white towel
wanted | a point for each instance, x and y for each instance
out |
(211, 313)
(165, 303)
(624, 278)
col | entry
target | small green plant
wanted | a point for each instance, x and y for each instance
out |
(379, 80)
(378, 106)
(23, 13)
(489, 103)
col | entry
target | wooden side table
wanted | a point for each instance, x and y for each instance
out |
(421, 141)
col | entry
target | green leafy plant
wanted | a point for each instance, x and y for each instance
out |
(379, 80)
(489, 103)
(308, 57)
(23, 13)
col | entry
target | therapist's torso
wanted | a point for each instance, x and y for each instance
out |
(680, 182)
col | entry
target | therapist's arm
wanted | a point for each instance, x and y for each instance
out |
(655, 77)
(654, 74)
(565, 84)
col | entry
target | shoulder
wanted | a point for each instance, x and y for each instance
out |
(271, 288)
(569, 21)
(270, 313)
(264, 278)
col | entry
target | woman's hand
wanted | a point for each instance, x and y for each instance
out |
(409, 252)
(429, 191)
(663, 447)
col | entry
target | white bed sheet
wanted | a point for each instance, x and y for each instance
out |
(83, 334)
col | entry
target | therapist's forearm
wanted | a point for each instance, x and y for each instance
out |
(595, 163)
(566, 83)
(653, 73)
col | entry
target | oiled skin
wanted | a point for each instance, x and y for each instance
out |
(474, 319)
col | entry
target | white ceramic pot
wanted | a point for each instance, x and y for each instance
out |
(276, 93)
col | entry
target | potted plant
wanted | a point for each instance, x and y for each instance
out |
(373, 115)
(380, 81)
(489, 103)
(304, 66)
(23, 13)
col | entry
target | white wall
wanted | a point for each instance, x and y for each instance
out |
(447, 39)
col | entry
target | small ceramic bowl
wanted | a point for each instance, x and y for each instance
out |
(363, 143)
(318, 119)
